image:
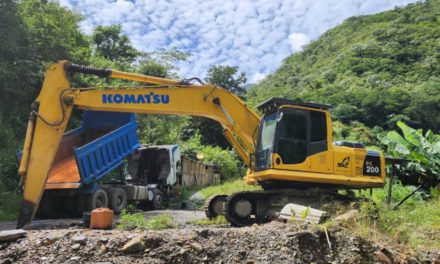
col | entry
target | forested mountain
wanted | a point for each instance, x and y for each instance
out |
(376, 69)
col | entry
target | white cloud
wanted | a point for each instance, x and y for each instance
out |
(255, 35)
(257, 77)
(297, 41)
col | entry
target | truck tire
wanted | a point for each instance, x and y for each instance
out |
(96, 200)
(118, 200)
(157, 201)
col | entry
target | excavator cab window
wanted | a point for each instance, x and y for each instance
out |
(265, 143)
(318, 132)
(294, 134)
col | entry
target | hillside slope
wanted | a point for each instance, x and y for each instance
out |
(375, 69)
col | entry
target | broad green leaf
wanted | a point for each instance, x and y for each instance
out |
(419, 157)
(401, 145)
(436, 147)
(413, 136)
(384, 139)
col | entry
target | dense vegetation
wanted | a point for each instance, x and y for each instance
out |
(414, 225)
(423, 150)
(35, 33)
(375, 69)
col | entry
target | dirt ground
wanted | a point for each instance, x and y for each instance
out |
(64, 241)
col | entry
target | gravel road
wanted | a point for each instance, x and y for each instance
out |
(181, 217)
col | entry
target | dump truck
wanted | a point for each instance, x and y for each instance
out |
(102, 164)
(288, 149)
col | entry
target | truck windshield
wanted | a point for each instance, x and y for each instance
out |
(268, 132)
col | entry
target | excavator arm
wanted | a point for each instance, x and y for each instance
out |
(52, 109)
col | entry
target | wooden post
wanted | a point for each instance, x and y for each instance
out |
(390, 184)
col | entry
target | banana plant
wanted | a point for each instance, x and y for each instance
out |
(422, 149)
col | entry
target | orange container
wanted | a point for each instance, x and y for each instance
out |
(102, 218)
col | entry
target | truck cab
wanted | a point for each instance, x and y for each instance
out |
(158, 164)
(153, 174)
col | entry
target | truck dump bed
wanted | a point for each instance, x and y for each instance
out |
(88, 153)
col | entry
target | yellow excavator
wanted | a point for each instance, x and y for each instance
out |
(288, 150)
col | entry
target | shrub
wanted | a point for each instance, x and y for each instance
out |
(226, 160)
(422, 149)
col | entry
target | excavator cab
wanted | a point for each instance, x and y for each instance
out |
(290, 132)
(294, 149)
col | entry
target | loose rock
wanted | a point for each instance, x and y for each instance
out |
(382, 258)
(78, 238)
(134, 245)
(12, 235)
(52, 238)
(76, 258)
(76, 246)
(347, 216)
(102, 249)
(196, 246)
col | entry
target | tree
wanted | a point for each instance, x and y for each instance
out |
(54, 31)
(160, 129)
(112, 44)
(33, 34)
(16, 57)
(228, 78)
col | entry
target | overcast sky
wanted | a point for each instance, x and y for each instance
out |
(253, 35)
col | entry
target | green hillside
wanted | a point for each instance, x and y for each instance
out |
(375, 69)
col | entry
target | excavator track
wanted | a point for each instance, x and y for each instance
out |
(248, 208)
(241, 208)
(214, 205)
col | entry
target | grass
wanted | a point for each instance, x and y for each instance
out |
(228, 187)
(184, 194)
(219, 220)
(131, 221)
(415, 224)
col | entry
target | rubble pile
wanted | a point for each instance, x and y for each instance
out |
(270, 243)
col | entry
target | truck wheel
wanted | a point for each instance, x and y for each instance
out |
(157, 199)
(118, 200)
(95, 200)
